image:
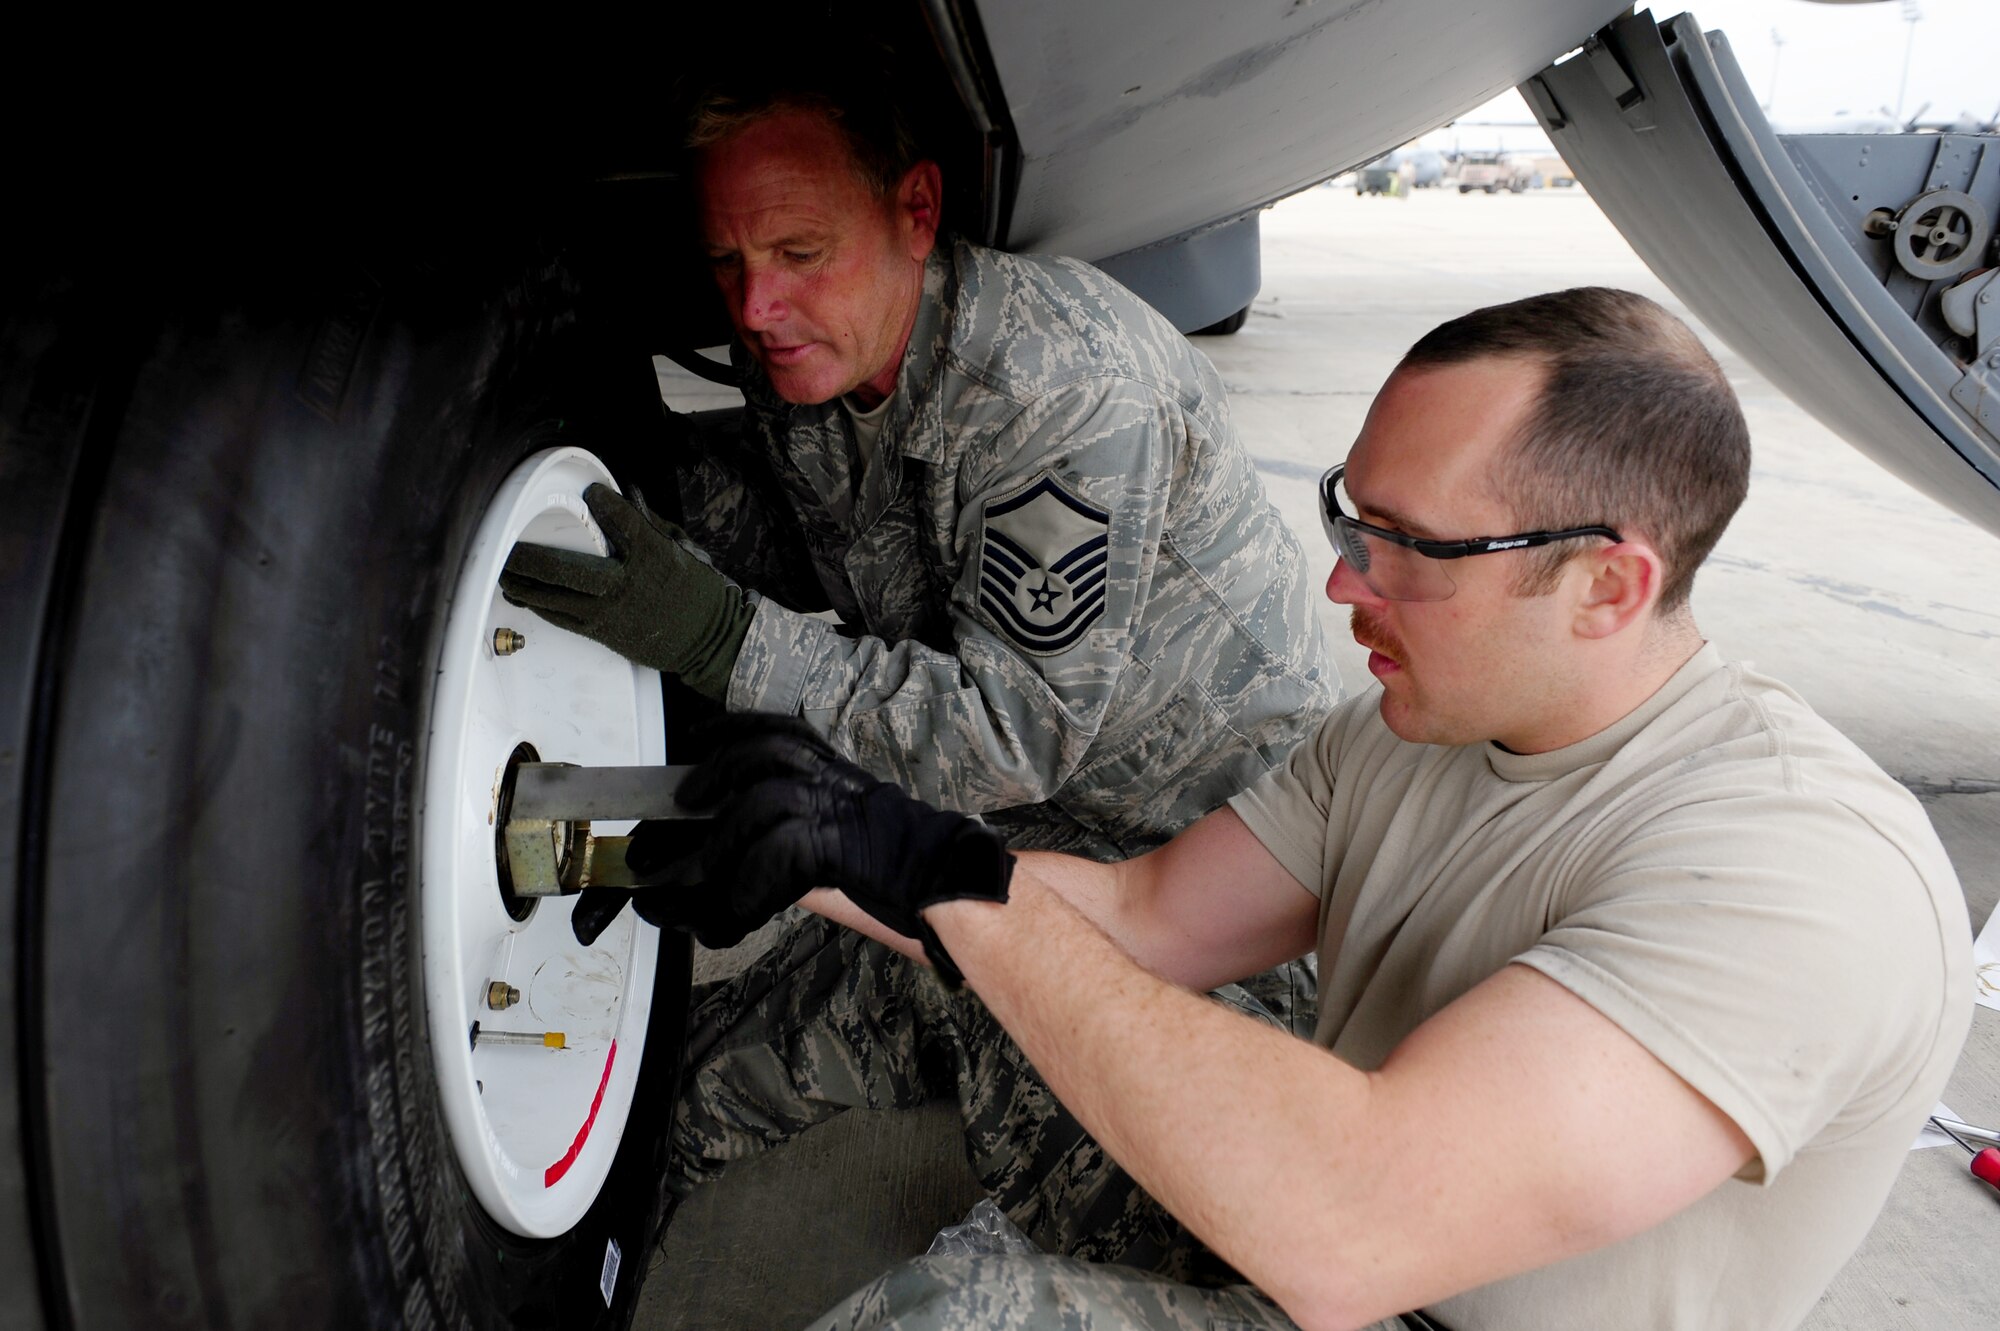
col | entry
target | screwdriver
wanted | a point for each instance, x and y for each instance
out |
(1985, 1161)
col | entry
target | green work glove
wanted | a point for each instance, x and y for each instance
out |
(650, 601)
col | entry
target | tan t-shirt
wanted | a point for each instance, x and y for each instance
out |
(1721, 873)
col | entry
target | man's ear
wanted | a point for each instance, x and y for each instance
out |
(919, 207)
(1623, 585)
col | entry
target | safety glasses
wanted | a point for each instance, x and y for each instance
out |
(1397, 567)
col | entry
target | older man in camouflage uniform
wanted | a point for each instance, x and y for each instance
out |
(1063, 603)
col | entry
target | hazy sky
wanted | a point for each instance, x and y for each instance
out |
(1835, 59)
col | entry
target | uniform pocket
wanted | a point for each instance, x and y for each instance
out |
(1161, 774)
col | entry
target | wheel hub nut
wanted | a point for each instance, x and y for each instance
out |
(500, 995)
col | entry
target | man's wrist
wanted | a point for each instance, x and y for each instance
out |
(972, 865)
(962, 920)
(959, 915)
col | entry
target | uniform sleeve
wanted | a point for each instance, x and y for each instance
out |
(1291, 808)
(1675, 942)
(733, 509)
(1058, 535)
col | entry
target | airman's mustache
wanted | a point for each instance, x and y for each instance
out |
(1373, 636)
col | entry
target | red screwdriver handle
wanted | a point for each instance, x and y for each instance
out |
(1986, 1165)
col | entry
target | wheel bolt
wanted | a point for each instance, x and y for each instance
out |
(500, 995)
(506, 642)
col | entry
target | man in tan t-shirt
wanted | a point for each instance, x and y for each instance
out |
(1637, 978)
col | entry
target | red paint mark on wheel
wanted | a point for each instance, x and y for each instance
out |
(553, 1174)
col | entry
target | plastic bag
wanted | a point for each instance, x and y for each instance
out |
(985, 1228)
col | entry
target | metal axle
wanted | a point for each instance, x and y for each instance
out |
(550, 849)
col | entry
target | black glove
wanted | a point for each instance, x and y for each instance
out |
(667, 853)
(794, 815)
(651, 601)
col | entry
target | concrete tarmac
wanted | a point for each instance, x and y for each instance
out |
(1874, 602)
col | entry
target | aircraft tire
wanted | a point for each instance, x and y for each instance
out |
(255, 491)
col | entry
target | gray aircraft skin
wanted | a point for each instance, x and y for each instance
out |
(1855, 287)
(280, 327)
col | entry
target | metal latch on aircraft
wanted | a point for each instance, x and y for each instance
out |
(1972, 310)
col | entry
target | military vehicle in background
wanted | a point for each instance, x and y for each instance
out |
(1400, 171)
(1493, 172)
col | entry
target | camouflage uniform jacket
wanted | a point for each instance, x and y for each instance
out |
(1064, 599)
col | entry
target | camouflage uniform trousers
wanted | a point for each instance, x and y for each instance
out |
(826, 1020)
(995, 1292)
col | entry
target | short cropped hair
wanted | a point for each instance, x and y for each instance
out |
(850, 87)
(1636, 427)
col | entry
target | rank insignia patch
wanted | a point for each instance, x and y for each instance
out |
(1042, 565)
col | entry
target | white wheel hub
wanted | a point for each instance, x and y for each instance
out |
(534, 1127)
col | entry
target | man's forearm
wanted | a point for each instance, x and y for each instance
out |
(1115, 898)
(836, 906)
(1209, 907)
(1090, 887)
(1176, 1087)
(1166, 909)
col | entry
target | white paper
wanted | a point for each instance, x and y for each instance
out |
(1931, 1135)
(1986, 963)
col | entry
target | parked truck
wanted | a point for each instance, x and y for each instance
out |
(1493, 172)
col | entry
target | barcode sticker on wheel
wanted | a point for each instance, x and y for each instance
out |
(607, 1279)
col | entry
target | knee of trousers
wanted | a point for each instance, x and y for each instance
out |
(818, 973)
(1004, 1292)
(825, 1020)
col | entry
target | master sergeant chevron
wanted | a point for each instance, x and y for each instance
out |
(1041, 570)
